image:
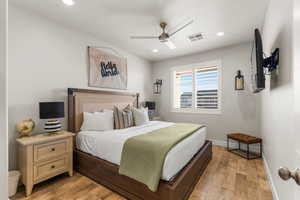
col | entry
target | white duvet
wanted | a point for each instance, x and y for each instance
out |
(108, 145)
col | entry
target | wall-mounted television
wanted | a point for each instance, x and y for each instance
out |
(261, 65)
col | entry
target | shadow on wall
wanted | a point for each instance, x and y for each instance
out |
(19, 112)
(16, 113)
(282, 76)
(247, 97)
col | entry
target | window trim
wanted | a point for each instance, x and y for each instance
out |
(193, 67)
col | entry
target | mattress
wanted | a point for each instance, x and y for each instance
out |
(108, 145)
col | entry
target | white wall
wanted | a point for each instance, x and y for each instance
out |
(239, 112)
(296, 87)
(277, 98)
(45, 59)
(3, 100)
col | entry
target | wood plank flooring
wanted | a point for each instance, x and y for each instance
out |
(228, 177)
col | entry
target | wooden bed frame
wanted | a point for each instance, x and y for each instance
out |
(106, 173)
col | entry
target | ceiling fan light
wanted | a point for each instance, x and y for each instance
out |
(169, 44)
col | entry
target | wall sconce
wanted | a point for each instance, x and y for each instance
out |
(239, 81)
(157, 86)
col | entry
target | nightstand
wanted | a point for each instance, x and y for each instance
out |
(44, 156)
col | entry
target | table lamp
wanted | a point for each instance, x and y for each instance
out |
(52, 111)
(151, 108)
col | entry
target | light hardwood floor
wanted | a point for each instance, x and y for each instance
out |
(228, 177)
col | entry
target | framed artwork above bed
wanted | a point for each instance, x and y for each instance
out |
(106, 70)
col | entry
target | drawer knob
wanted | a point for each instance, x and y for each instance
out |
(53, 149)
(53, 166)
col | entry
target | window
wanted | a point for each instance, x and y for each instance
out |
(197, 88)
(183, 89)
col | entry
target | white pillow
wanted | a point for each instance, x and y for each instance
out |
(98, 121)
(140, 116)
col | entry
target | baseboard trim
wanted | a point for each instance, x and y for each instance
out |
(223, 143)
(219, 143)
(270, 179)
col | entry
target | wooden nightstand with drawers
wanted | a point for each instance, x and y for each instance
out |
(44, 156)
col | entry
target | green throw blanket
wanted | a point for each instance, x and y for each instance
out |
(143, 156)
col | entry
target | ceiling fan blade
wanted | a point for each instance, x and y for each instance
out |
(144, 37)
(169, 44)
(182, 27)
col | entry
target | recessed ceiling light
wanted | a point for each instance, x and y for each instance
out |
(220, 34)
(69, 2)
(155, 50)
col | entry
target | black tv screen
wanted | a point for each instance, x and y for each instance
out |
(258, 75)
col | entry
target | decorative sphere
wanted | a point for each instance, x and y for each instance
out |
(25, 127)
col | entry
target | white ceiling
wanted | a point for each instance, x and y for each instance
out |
(114, 21)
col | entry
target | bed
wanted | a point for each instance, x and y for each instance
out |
(97, 156)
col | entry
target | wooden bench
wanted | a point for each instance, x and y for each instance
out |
(245, 139)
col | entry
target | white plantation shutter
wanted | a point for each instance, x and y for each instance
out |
(183, 89)
(196, 88)
(207, 83)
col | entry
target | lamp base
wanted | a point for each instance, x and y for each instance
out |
(53, 126)
(151, 114)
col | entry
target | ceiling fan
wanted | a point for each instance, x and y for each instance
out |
(164, 37)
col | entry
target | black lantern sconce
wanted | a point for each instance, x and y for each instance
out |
(157, 86)
(239, 81)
